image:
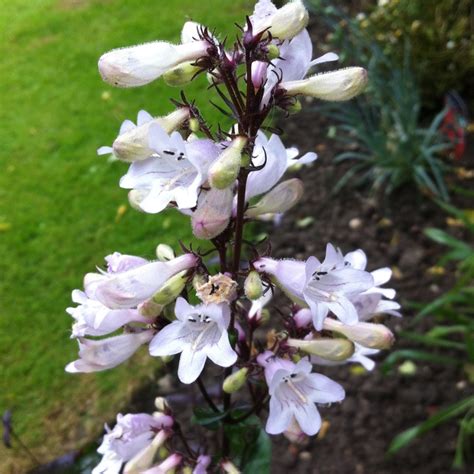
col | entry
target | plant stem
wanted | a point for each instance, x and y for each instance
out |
(206, 395)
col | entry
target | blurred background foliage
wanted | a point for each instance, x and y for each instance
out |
(61, 209)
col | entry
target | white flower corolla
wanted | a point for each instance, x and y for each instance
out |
(324, 287)
(358, 357)
(131, 434)
(339, 85)
(104, 354)
(132, 143)
(132, 287)
(95, 319)
(173, 174)
(199, 332)
(294, 391)
(139, 65)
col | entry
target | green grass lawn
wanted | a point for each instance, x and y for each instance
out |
(59, 202)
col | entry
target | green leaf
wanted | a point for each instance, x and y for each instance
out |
(207, 417)
(442, 416)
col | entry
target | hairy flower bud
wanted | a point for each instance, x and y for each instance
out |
(273, 51)
(281, 198)
(213, 213)
(289, 20)
(139, 65)
(331, 349)
(144, 459)
(253, 286)
(171, 289)
(194, 126)
(164, 253)
(375, 336)
(133, 144)
(224, 171)
(343, 84)
(259, 73)
(235, 381)
(181, 75)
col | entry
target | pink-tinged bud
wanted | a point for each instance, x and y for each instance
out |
(303, 318)
(133, 145)
(287, 21)
(167, 466)
(235, 381)
(343, 84)
(330, 349)
(224, 171)
(374, 336)
(259, 73)
(229, 468)
(203, 462)
(213, 213)
(281, 198)
(253, 286)
(139, 65)
(144, 459)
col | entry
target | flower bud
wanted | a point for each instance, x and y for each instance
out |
(161, 404)
(235, 381)
(181, 75)
(331, 349)
(133, 144)
(281, 198)
(229, 468)
(139, 65)
(374, 336)
(213, 213)
(253, 286)
(343, 84)
(171, 289)
(224, 171)
(289, 20)
(144, 459)
(259, 73)
(164, 253)
(194, 125)
(273, 51)
(294, 108)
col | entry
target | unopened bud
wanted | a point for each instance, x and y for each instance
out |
(181, 75)
(171, 289)
(194, 125)
(144, 459)
(343, 84)
(374, 336)
(253, 286)
(224, 171)
(164, 253)
(229, 468)
(213, 213)
(273, 51)
(133, 145)
(294, 108)
(330, 349)
(289, 20)
(259, 73)
(161, 404)
(235, 381)
(281, 198)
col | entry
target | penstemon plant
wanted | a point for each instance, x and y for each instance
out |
(192, 307)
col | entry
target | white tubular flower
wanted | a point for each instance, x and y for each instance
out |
(132, 287)
(139, 65)
(104, 354)
(144, 458)
(294, 391)
(199, 332)
(324, 287)
(213, 213)
(282, 23)
(132, 144)
(131, 434)
(166, 466)
(95, 319)
(359, 357)
(173, 174)
(343, 84)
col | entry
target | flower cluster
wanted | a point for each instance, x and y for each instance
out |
(222, 181)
